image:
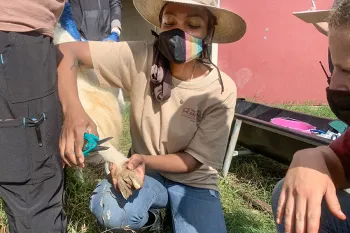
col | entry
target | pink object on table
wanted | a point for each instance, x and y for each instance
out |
(293, 124)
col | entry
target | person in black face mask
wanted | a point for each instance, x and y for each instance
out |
(311, 198)
(182, 108)
(338, 92)
(338, 100)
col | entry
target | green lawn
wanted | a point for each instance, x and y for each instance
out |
(255, 175)
(320, 111)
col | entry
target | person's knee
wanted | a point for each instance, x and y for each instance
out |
(276, 195)
(105, 207)
(114, 218)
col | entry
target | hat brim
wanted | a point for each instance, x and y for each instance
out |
(230, 26)
(313, 16)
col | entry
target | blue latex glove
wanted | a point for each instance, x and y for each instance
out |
(113, 37)
(67, 22)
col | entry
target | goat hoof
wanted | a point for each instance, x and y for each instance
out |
(128, 182)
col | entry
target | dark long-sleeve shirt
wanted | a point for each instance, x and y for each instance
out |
(95, 18)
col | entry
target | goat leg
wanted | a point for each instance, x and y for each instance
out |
(128, 181)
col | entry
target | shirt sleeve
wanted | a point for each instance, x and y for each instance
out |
(341, 148)
(116, 63)
(209, 143)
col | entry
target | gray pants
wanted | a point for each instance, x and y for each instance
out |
(31, 174)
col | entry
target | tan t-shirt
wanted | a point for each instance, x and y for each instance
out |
(30, 15)
(200, 126)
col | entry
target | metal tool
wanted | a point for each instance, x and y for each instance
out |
(93, 144)
(313, 4)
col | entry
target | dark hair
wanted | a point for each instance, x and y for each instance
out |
(340, 16)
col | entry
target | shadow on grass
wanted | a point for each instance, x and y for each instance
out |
(255, 175)
(77, 199)
(241, 222)
(258, 171)
(239, 217)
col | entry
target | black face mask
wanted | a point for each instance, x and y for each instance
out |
(339, 102)
(178, 46)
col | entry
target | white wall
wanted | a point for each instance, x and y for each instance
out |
(134, 26)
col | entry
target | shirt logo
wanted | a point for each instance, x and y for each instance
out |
(192, 114)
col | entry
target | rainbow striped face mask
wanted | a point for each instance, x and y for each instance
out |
(178, 46)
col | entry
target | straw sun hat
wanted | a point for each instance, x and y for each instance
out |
(230, 28)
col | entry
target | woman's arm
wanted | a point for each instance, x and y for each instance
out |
(172, 163)
(208, 145)
(114, 65)
(76, 121)
(69, 57)
(335, 167)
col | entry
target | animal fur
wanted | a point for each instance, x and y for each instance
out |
(103, 105)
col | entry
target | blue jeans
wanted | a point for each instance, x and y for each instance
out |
(329, 223)
(193, 210)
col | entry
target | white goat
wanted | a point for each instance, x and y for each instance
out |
(104, 106)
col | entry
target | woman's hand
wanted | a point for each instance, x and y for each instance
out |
(70, 56)
(136, 163)
(76, 123)
(308, 180)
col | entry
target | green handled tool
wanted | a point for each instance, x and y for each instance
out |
(92, 144)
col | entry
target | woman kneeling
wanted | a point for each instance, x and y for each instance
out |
(182, 108)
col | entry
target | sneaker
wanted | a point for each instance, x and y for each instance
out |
(154, 224)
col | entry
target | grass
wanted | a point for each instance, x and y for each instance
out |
(320, 111)
(77, 196)
(254, 174)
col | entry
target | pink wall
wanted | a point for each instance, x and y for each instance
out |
(278, 59)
